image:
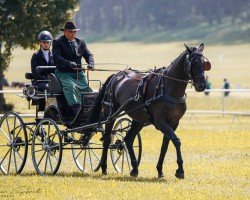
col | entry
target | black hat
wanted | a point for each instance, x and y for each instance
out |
(70, 26)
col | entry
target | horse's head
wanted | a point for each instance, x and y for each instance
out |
(195, 65)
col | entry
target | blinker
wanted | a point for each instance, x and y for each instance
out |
(207, 66)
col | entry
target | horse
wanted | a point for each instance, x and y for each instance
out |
(157, 98)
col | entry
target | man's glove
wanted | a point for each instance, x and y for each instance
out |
(72, 65)
(90, 66)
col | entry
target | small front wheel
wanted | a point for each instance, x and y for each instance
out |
(119, 153)
(88, 156)
(46, 147)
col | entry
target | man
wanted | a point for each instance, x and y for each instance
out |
(68, 52)
(43, 57)
(208, 86)
(226, 86)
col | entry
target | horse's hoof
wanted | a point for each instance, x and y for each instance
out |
(104, 173)
(179, 175)
(161, 175)
(133, 173)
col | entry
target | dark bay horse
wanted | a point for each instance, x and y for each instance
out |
(162, 96)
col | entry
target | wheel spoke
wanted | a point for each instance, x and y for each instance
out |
(8, 126)
(90, 160)
(48, 129)
(53, 136)
(84, 161)
(19, 131)
(46, 161)
(38, 150)
(117, 159)
(5, 156)
(5, 134)
(127, 159)
(79, 154)
(53, 155)
(14, 126)
(41, 159)
(95, 154)
(54, 146)
(50, 164)
(19, 155)
(122, 162)
(14, 155)
(3, 145)
(9, 162)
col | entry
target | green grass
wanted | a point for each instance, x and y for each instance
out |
(216, 163)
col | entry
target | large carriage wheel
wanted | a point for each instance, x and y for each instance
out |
(47, 147)
(118, 150)
(88, 157)
(13, 143)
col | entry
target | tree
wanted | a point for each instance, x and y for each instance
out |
(22, 20)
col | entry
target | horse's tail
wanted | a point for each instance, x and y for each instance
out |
(96, 110)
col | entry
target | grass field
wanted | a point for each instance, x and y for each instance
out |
(215, 149)
(216, 163)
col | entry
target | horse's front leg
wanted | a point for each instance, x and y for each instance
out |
(106, 144)
(166, 129)
(129, 140)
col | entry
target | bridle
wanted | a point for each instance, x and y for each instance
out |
(187, 68)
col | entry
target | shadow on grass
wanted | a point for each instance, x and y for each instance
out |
(96, 176)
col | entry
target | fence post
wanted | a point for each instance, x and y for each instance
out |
(223, 103)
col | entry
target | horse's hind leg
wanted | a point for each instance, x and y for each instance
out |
(129, 140)
(164, 148)
(106, 144)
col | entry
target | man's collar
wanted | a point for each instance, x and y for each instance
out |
(44, 51)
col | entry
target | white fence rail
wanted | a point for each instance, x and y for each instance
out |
(191, 112)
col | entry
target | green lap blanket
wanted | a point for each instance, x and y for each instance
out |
(73, 85)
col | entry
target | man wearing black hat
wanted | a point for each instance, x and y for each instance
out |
(68, 52)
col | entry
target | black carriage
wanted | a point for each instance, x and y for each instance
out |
(53, 121)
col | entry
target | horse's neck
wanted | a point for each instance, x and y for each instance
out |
(177, 71)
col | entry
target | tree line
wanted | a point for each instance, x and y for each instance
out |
(109, 16)
(20, 23)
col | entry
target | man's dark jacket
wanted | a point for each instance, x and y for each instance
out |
(64, 54)
(38, 59)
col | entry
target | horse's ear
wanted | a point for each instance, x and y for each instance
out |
(188, 49)
(207, 66)
(201, 47)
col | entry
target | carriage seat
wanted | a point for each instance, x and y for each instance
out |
(29, 76)
(55, 86)
(45, 70)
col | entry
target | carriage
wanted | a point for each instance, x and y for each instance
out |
(53, 122)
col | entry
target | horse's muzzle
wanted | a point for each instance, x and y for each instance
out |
(200, 84)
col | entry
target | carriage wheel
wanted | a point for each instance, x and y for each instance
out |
(13, 143)
(88, 157)
(118, 150)
(46, 147)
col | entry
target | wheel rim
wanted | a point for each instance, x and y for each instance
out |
(13, 144)
(88, 157)
(118, 150)
(47, 148)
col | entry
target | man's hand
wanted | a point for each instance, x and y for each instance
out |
(90, 66)
(73, 65)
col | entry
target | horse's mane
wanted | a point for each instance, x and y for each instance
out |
(96, 110)
(176, 60)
